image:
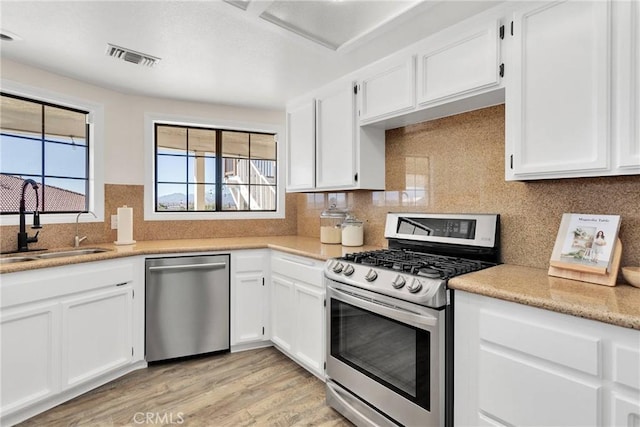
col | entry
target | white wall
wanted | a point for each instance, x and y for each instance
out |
(124, 116)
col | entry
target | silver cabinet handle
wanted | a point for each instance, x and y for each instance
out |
(210, 266)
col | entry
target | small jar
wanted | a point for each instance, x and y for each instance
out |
(352, 232)
(330, 225)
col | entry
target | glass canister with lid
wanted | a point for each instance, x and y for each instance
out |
(330, 225)
(352, 232)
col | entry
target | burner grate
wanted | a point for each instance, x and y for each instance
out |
(417, 263)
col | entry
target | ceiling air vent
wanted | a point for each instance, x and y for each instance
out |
(131, 56)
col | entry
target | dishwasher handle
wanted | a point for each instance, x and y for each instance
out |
(208, 266)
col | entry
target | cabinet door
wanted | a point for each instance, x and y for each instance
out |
(335, 137)
(282, 312)
(558, 95)
(465, 65)
(96, 334)
(390, 89)
(30, 355)
(627, 88)
(514, 390)
(309, 326)
(248, 309)
(301, 146)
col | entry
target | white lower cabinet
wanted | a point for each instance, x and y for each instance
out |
(30, 353)
(66, 330)
(516, 365)
(97, 332)
(249, 297)
(297, 309)
(309, 326)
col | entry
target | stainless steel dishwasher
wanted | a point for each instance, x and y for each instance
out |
(187, 306)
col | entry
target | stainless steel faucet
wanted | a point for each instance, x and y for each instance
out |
(23, 236)
(78, 239)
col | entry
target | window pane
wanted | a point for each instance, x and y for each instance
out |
(171, 197)
(171, 168)
(263, 172)
(65, 160)
(64, 125)
(236, 171)
(235, 197)
(263, 198)
(202, 197)
(61, 194)
(171, 140)
(235, 144)
(20, 116)
(202, 142)
(20, 156)
(202, 169)
(12, 192)
(263, 146)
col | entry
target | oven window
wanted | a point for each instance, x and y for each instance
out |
(392, 353)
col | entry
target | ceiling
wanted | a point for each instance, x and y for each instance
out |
(254, 53)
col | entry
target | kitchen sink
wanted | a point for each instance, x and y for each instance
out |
(14, 259)
(71, 253)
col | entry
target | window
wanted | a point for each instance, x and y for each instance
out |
(200, 169)
(49, 144)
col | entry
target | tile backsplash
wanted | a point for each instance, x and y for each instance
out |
(456, 164)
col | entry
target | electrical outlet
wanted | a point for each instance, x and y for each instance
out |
(114, 222)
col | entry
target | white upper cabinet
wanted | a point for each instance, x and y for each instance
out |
(387, 88)
(345, 155)
(466, 63)
(569, 61)
(626, 95)
(335, 137)
(301, 146)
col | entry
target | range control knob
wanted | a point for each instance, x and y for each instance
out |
(348, 270)
(371, 276)
(337, 267)
(415, 286)
(398, 282)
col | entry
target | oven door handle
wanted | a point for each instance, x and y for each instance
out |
(420, 320)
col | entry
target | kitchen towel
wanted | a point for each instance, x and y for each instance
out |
(125, 226)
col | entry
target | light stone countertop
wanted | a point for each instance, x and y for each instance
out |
(618, 305)
(297, 245)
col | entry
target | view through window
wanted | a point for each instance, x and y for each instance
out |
(204, 169)
(46, 143)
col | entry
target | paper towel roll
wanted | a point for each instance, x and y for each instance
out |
(125, 226)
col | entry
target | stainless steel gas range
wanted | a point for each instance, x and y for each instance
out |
(390, 318)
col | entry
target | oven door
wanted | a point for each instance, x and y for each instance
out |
(386, 353)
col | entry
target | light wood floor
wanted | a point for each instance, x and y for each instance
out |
(250, 388)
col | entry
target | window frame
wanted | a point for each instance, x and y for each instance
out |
(96, 150)
(150, 214)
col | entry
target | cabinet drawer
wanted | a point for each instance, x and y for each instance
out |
(299, 268)
(563, 347)
(248, 261)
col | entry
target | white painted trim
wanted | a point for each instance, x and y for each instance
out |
(96, 151)
(149, 188)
